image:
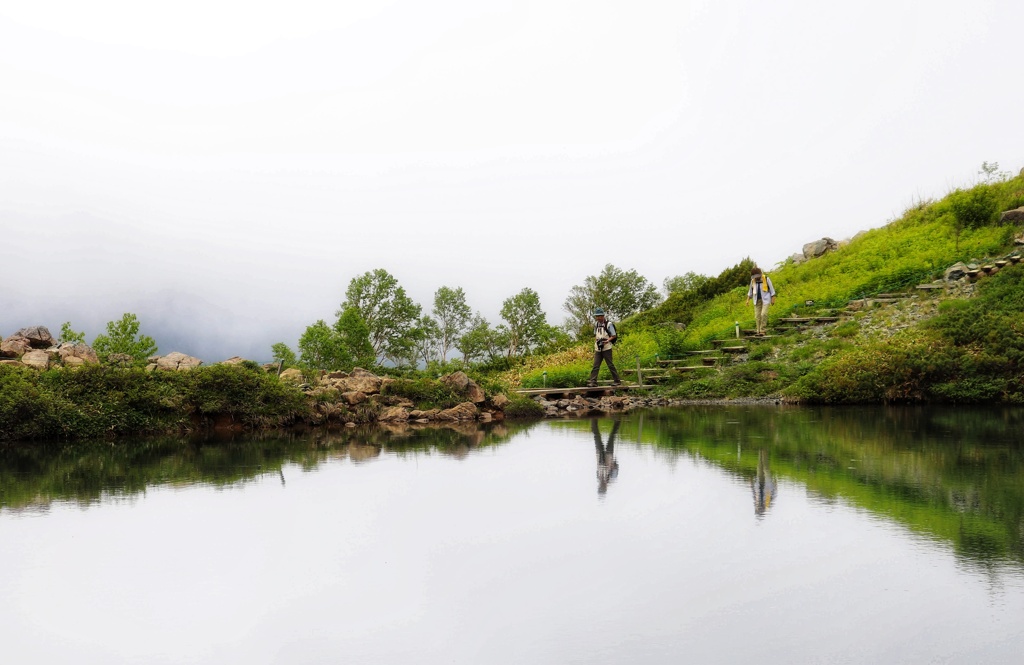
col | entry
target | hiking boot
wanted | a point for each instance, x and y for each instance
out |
(616, 383)
(591, 384)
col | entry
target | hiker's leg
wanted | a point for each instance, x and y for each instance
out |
(597, 366)
(611, 366)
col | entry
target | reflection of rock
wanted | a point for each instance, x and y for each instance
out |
(361, 452)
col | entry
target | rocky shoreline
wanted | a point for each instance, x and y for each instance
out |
(582, 406)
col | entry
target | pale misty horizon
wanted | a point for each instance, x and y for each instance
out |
(224, 169)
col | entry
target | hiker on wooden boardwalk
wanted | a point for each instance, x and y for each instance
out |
(604, 339)
(762, 292)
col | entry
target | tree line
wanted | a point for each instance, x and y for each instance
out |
(377, 323)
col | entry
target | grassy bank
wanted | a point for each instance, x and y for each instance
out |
(965, 348)
(99, 401)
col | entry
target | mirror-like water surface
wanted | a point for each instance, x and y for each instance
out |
(712, 535)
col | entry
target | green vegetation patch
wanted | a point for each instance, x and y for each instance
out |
(424, 393)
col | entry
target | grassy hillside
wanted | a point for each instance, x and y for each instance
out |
(913, 249)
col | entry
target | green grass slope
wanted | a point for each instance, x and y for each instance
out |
(977, 365)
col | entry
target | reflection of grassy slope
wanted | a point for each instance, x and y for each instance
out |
(39, 474)
(949, 476)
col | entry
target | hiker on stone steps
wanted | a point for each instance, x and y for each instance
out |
(762, 292)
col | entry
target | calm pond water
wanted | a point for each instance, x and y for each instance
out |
(701, 535)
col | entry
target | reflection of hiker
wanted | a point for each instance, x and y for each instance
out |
(763, 486)
(607, 467)
(762, 293)
(604, 337)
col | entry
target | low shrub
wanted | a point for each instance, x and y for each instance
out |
(424, 393)
(520, 407)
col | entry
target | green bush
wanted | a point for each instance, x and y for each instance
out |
(424, 393)
(520, 407)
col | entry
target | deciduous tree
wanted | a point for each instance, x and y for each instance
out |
(321, 348)
(452, 315)
(69, 336)
(525, 322)
(620, 293)
(389, 314)
(123, 337)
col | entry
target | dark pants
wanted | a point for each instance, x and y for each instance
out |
(606, 356)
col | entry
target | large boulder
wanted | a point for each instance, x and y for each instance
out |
(77, 354)
(956, 271)
(463, 411)
(813, 250)
(15, 346)
(798, 258)
(363, 381)
(500, 401)
(1015, 216)
(38, 336)
(292, 375)
(37, 358)
(353, 397)
(464, 386)
(393, 414)
(176, 361)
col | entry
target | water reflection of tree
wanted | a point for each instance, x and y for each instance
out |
(34, 475)
(607, 465)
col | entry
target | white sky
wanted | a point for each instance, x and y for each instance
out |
(225, 168)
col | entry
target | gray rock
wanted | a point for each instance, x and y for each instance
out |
(15, 346)
(394, 414)
(1015, 216)
(37, 359)
(797, 258)
(77, 354)
(177, 361)
(813, 250)
(38, 336)
(463, 411)
(955, 271)
(465, 386)
(353, 397)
